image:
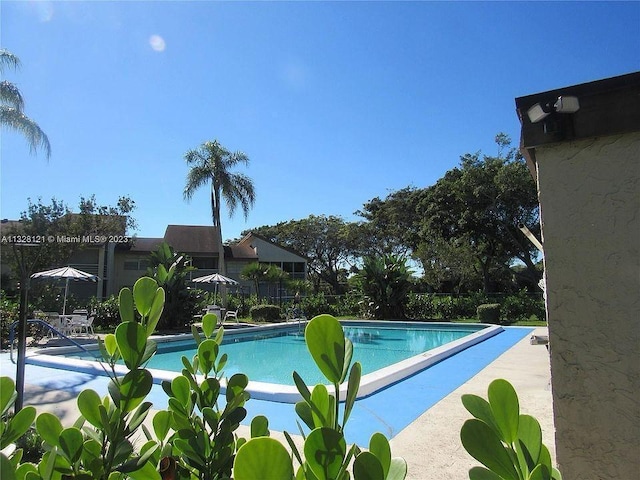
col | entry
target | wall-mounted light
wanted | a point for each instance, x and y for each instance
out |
(567, 105)
(563, 104)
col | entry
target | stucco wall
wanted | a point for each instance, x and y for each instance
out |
(590, 202)
(268, 252)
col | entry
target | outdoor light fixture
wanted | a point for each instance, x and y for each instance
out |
(563, 104)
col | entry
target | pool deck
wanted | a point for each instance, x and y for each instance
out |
(428, 440)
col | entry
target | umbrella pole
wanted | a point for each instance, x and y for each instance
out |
(64, 304)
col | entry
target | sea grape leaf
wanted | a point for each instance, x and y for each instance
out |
(262, 457)
(505, 407)
(326, 343)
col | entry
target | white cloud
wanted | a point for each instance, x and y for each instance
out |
(157, 43)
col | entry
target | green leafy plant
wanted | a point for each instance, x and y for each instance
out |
(99, 445)
(325, 454)
(204, 439)
(12, 427)
(489, 313)
(507, 443)
(170, 269)
(106, 312)
(386, 282)
(265, 313)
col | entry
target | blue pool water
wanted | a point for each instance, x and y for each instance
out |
(272, 356)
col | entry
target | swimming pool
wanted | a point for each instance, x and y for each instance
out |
(388, 352)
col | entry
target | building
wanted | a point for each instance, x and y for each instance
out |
(199, 243)
(120, 264)
(582, 144)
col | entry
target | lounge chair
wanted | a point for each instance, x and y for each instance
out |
(231, 314)
(86, 324)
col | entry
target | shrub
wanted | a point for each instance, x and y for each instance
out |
(522, 306)
(420, 306)
(466, 306)
(106, 312)
(507, 443)
(265, 313)
(9, 312)
(489, 313)
(443, 307)
(316, 304)
(31, 445)
(325, 454)
(349, 304)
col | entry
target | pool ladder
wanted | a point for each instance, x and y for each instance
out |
(44, 324)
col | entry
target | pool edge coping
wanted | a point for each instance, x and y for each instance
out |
(369, 384)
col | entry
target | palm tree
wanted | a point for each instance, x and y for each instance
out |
(212, 163)
(12, 105)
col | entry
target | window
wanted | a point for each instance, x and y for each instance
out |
(205, 263)
(136, 265)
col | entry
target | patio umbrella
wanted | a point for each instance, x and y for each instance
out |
(216, 279)
(68, 273)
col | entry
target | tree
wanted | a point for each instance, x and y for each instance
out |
(38, 241)
(255, 272)
(331, 246)
(264, 273)
(212, 163)
(477, 208)
(47, 236)
(393, 224)
(386, 282)
(12, 109)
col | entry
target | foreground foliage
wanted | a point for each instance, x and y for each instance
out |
(325, 454)
(507, 443)
(195, 438)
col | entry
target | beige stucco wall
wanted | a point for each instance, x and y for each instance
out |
(590, 202)
(268, 252)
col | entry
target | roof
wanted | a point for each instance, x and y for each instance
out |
(606, 107)
(240, 252)
(145, 244)
(192, 239)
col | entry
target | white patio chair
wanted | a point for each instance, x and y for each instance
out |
(74, 324)
(231, 314)
(86, 324)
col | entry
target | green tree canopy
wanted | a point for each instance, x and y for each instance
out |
(476, 209)
(464, 228)
(330, 245)
(38, 240)
(392, 224)
(12, 109)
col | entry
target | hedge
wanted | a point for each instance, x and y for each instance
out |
(265, 313)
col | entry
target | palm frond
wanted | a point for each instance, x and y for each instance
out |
(9, 59)
(212, 162)
(197, 177)
(10, 95)
(16, 120)
(239, 190)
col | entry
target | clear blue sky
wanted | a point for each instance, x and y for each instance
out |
(334, 103)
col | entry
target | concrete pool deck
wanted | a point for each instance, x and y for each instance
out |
(429, 441)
